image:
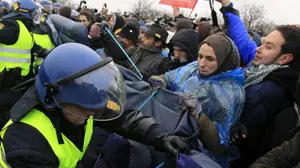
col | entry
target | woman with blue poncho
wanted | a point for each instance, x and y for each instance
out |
(216, 81)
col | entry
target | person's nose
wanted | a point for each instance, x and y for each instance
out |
(202, 63)
(258, 49)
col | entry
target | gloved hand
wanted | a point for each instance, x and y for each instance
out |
(188, 102)
(102, 26)
(173, 144)
(157, 82)
(237, 133)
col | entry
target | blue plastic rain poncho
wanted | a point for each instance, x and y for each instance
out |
(221, 97)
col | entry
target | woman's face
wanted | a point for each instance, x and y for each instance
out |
(111, 22)
(207, 60)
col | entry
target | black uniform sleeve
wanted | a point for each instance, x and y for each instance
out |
(135, 126)
(26, 147)
(9, 31)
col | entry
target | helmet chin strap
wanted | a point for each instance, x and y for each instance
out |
(67, 111)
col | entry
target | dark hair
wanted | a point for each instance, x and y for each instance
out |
(65, 11)
(291, 34)
(87, 14)
(105, 5)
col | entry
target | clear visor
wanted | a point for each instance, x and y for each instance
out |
(48, 8)
(37, 16)
(100, 93)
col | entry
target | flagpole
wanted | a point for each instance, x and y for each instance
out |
(193, 9)
(191, 12)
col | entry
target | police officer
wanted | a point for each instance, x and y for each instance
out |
(53, 123)
(16, 48)
(47, 7)
(56, 7)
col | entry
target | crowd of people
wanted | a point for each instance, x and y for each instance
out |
(82, 88)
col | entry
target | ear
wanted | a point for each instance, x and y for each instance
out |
(285, 59)
(158, 44)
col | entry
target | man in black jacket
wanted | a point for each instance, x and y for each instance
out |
(53, 123)
(288, 154)
(149, 56)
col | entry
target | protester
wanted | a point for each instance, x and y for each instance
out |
(59, 112)
(104, 10)
(183, 50)
(94, 36)
(270, 80)
(129, 38)
(217, 82)
(255, 37)
(285, 155)
(143, 29)
(149, 55)
(86, 17)
(65, 11)
(116, 23)
(56, 7)
(204, 29)
(184, 24)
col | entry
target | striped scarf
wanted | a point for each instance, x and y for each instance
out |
(257, 73)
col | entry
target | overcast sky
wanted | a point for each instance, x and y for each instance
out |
(280, 11)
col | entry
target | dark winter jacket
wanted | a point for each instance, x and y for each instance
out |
(268, 97)
(186, 39)
(238, 33)
(96, 44)
(263, 102)
(35, 150)
(147, 61)
(288, 154)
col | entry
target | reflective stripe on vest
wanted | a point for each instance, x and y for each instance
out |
(17, 55)
(67, 153)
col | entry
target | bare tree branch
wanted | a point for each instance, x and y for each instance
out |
(253, 16)
(69, 3)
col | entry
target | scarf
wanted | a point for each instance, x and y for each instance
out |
(256, 74)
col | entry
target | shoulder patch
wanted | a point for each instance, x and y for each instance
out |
(1, 26)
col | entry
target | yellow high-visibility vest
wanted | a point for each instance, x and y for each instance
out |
(67, 153)
(17, 55)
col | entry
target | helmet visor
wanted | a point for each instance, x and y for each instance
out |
(101, 92)
(37, 16)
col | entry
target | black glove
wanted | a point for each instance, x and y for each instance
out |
(173, 144)
(103, 25)
(237, 133)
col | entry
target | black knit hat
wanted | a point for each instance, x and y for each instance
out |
(131, 32)
(158, 32)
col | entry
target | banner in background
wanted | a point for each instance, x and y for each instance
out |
(180, 3)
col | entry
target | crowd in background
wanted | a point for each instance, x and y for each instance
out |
(236, 92)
